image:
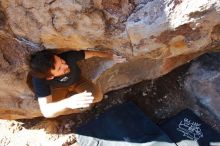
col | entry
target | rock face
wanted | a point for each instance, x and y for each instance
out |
(203, 82)
(154, 35)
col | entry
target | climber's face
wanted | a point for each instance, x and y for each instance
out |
(60, 67)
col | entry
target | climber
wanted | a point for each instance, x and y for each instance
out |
(58, 83)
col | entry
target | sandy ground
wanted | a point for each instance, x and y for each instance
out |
(159, 99)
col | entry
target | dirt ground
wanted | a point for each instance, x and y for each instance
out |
(159, 99)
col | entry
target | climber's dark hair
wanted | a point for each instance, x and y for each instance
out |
(41, 62)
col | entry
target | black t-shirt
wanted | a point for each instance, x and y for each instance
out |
(42, 87)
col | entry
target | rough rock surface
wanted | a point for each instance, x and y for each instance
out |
(159, 99)
(203, 82)
(16, 99)
(155, 35)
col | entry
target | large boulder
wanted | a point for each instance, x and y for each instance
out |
(203, 80)
(155, 36)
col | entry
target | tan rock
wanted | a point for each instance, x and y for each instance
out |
(155, 37)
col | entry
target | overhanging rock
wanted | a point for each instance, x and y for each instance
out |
(155, 36)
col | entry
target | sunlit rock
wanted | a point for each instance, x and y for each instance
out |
(155, 36)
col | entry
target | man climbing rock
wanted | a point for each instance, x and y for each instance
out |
(58, 84)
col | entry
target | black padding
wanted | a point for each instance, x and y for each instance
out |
(123, 125)
(187, 129)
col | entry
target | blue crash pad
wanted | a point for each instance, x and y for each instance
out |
(123, 125)
(186, 129)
